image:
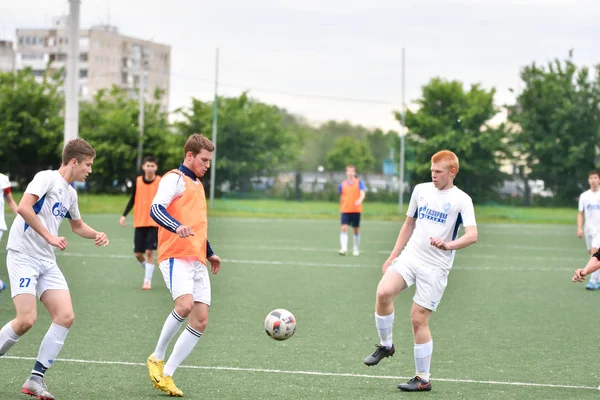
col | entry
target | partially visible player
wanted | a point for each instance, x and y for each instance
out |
(589, 211)
(145, 238)
(7, 198)
(430, 234)
(179, 208)
(31, 262)
(352, 194)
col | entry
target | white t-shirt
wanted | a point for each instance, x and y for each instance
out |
(439, 213)
(4, 184)
(57, 200)
(589, 204)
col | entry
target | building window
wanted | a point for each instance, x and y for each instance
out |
(83, 73)
(32, 56)
(83, 57)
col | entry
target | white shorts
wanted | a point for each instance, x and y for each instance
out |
(592, 241)
(186, 276)
(430, 282)
(29, 274)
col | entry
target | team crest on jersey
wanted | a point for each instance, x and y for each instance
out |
(433, 215)
(58, 210)
(447, 207)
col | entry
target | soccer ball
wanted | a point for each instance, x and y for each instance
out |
(280, 324)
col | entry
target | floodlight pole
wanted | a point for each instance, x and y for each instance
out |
(72, 81)
(402, 147)
(213, 169)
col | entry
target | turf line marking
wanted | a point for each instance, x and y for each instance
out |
(336, 265)
(316, 373)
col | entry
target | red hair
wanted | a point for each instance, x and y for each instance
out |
(447, 157)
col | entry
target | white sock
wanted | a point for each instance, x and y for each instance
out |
(170, 328)
(344, 241)
(8, 338)
(595, 276)
(149, 271)
(356, 240)
(384, 326)
(423, 359)
(51, 344)
(183, 347)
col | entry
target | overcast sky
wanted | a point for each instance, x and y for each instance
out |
(344, 49)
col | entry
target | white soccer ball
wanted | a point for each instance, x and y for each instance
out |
(280, 324)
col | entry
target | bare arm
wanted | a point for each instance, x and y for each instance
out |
(592, 266)
(361, 197)
(11, 203)
(85, 231)
(580, 224)
(465, 240)
(408, 227)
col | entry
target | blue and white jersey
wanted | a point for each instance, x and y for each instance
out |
(4, 184)
(56, 200)
(439, 213)
(589, 205)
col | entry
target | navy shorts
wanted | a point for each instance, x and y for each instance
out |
(145, 238)
(352, 219)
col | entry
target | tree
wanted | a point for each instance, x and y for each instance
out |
(31, 124)
(558, 112)
(348, 150)
(454, 119)
(110, 124)
(251, 141)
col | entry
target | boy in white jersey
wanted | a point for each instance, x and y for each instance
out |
(31, 262)
(589, 210)
(10, 202)
(430, 234)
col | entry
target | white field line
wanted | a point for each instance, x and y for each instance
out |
(573, 261)
(317, 373)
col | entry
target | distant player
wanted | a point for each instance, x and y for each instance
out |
(352, 194)
(31, 262)
(179, 208)
(430, 234)
(589, 210)
(145, 239)
(10, 202)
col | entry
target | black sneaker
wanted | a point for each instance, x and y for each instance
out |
(416, 384)
(379, 354)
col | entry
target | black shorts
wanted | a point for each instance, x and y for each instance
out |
(145, 238)
(352, 219)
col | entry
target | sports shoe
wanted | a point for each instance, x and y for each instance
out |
(379, 354)
(355, 252)
(155, 370)
(36, 387)
(168, 386)
(147, 285)
(416, 384)
(342, 252)
(591, 286)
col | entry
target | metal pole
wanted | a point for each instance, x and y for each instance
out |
(141, 88)
(213, 169)
(72, 81)
(402, 134)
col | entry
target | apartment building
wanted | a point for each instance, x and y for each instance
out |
(7, 56)
(106, 58)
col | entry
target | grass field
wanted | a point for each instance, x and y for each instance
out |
(511, 325)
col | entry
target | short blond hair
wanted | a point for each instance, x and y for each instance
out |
(447, 157)
(196, 143)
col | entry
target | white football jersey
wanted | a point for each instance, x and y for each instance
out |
(589, 204)
(439, 213)
(4, 184)
(57, 200)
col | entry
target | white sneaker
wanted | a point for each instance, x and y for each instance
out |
(355, 252)
(342, 252)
